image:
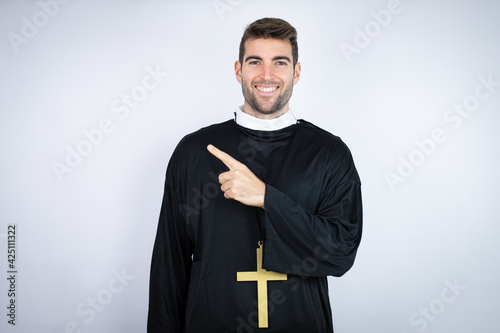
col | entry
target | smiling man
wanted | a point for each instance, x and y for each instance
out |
(257, 211)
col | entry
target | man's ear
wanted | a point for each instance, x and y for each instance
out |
(296, 77)
(237, 71)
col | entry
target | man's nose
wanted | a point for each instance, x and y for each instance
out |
(267, 73)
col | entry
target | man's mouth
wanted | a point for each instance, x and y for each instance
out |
(266, 88)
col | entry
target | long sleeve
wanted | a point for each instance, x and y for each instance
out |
(170, 268)
(318, 242)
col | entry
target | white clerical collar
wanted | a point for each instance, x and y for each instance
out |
(253, 123)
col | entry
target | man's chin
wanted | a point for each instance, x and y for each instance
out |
(267, 111)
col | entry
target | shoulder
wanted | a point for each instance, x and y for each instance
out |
(209, 133)
(197, 141)
(191, 154)
(190, 146)
(336, 155)
(312, 135)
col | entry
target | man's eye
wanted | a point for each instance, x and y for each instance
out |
(255, 62)
(281, 63)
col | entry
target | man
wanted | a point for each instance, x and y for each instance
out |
(257, 211)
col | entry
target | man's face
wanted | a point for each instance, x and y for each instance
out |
(267, 77)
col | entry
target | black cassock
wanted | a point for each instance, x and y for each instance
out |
(310, 228)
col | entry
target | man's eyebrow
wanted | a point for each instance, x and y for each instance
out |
(282, 58)
(252, 58)
(274, 59)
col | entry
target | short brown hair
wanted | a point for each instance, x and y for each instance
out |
(271, 28)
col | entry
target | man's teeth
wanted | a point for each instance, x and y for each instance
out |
(266, 89)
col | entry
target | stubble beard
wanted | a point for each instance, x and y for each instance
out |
(252, 101)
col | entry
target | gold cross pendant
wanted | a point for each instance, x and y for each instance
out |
(261, 276)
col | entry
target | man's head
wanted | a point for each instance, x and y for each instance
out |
(271, 28)
(268, 67)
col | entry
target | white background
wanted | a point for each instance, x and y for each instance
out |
(78, 230)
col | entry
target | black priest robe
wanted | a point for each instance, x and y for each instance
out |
(310, 228)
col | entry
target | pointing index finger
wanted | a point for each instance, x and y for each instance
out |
(225, 158)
